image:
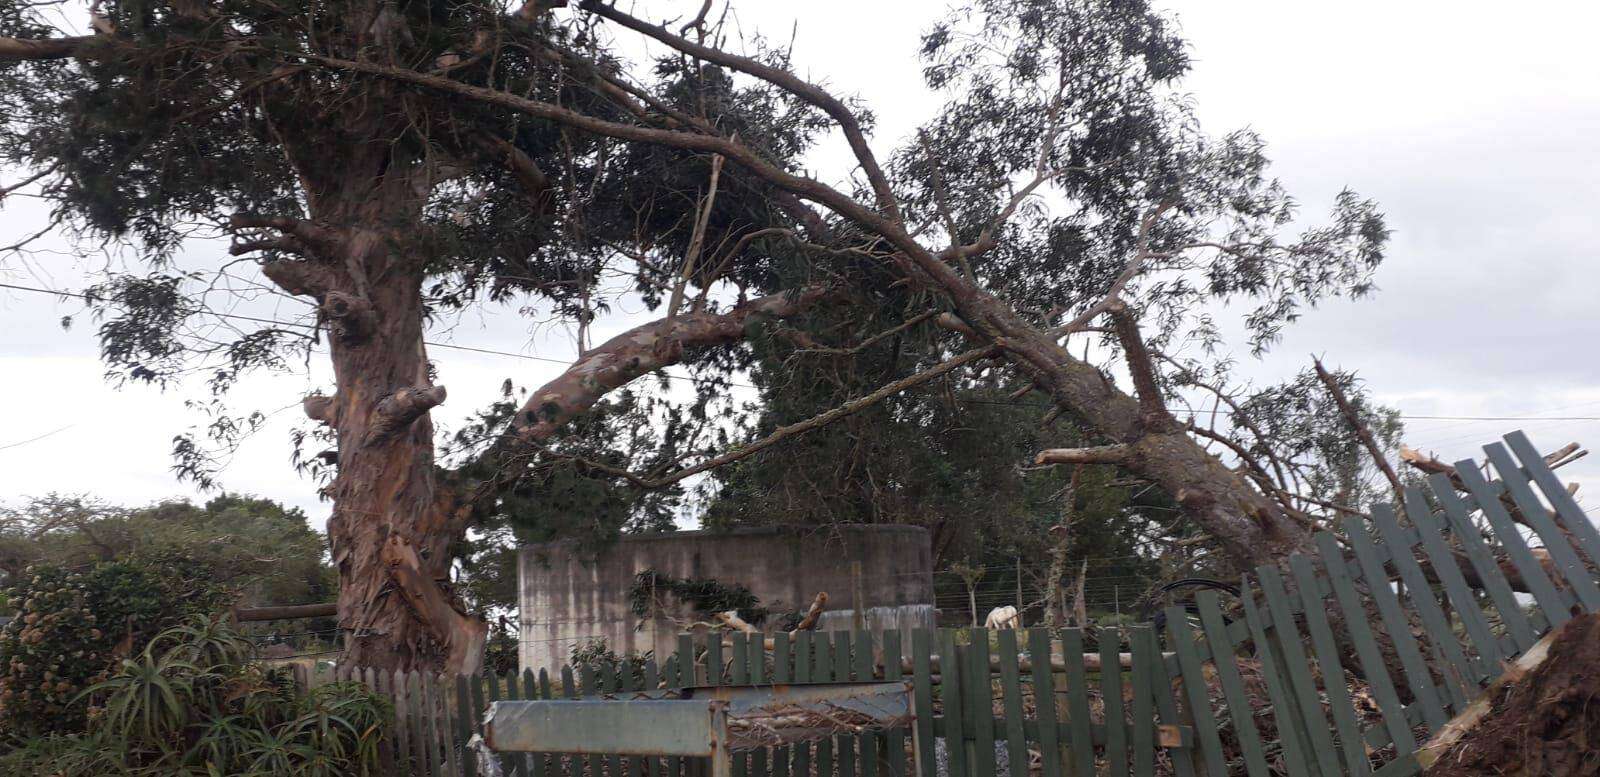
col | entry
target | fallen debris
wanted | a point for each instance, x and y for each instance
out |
(1542, 717)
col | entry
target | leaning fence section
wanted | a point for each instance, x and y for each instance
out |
(1343, 661)
(1368, 646)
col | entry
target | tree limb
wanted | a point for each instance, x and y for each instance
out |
(396, 411)
(24, 49)
(1104, 454)
(1152, 409)
(1363, 432)
(811, 93)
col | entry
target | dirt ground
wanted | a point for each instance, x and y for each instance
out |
(1547, 724)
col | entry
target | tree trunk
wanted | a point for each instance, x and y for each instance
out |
(392, 528)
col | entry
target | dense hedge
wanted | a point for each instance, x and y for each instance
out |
(72, 626)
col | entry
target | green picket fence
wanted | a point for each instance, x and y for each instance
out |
(1065, 703)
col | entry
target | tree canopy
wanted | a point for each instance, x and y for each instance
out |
(390, 162)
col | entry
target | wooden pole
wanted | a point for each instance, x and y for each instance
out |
(859, 595)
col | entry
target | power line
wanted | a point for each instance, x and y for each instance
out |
(973, 400)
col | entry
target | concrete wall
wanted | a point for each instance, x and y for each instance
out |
(569, 599)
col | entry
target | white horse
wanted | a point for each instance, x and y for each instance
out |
(1003, 618)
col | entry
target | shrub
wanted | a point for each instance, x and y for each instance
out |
(190, 703)
(71, 626)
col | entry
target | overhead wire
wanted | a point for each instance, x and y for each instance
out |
(971, 400)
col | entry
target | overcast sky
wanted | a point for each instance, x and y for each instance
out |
(1471, 124)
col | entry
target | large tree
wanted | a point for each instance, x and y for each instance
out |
(394, 161)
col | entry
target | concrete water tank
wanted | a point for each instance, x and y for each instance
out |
(570, 598)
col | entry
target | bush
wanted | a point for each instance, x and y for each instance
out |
(190, 703)
(72, 626)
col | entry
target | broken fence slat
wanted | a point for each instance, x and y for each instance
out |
(1326, 649)
(1556, 542)
(893, 672)
(1180, 637)
(1553, 602)
(1396, 625)
(1462, 600)
(1302, 686)
(1573, 517)
(1518, 625)
(1460, 675)
(1239, 709)
(1080, 747)
(922, 695)
(1291, 729)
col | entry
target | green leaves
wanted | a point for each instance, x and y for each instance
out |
(191, 703)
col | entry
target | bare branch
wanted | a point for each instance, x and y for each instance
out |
(21, 49)
(696, 238)
(1152, 409)
(1104, 454)
(1363, 432)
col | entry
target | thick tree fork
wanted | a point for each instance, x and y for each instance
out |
(461, 635)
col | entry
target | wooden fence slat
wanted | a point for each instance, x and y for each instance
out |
(1239, 709)
(922, 697)
(714, 659)
(1180, 637)
(1326, 649)
(533, 763)
(758, 660)
(1044, 701)
(1166, 705)
(1396, 625)
(804, 672)
(1011, 696)
(1418, 591)
(688, 666)
(1080, 741)
(781, 645)
(894, 738)
(570, 690)
(434, 752)
(508, 764)
(1556, 541)
(951, 693)
(1517, 624)
(461, 713)
(1365, 642)
(1572, 516)
(611, 679)
(1143, 709)
(1462, 600)
(393, 686)
(1292, 736)
(739, 671)
(822, 671)
(980, 703)
(804, 654)
(1552, 602)
(597, 681)
(1302, 686)
(1116, 749)
(870, 743)
(650, 680)
(845, 747)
